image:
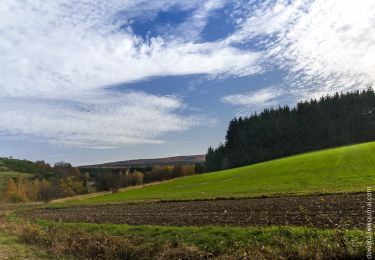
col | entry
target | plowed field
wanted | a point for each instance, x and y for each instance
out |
(326, 211)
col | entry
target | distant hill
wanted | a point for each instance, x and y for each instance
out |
(175, 160)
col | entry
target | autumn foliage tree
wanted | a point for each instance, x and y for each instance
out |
(15, 191)
(45, 182)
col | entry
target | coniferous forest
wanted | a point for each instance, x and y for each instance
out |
(331, 121)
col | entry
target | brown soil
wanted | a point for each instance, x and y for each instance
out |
(324, 211)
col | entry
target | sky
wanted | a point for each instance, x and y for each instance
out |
(89, 81)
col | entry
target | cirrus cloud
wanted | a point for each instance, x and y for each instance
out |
(326, 46)
(59, 58)
(130, 118)
(65, 47)
(262, 97)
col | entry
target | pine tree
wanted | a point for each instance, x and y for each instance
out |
(331, 121)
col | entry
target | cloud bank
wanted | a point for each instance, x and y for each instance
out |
(326, 46)
(62, 47)
(59, 58)
(132, 118)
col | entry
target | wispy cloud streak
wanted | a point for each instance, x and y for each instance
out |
(132, 118)
(325, 46)
(57, 55)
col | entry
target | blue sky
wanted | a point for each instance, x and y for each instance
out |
(95, 81)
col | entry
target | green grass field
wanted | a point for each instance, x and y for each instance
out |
(147, 242)
(11, 248)
(117, 241)
(344, 169)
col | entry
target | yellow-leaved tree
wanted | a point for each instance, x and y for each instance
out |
(15, 192)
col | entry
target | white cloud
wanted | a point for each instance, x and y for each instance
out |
(326, 46)
(192, 28)
(65, 47)
(57, 55)
(262, 97)
(130, 118)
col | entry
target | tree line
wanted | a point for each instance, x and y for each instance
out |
(45, 183)
(107, 179)
(330, 121)
(48, 182)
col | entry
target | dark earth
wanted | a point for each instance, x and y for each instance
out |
(323, 211)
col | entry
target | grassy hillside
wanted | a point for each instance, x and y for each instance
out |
(344, 169)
